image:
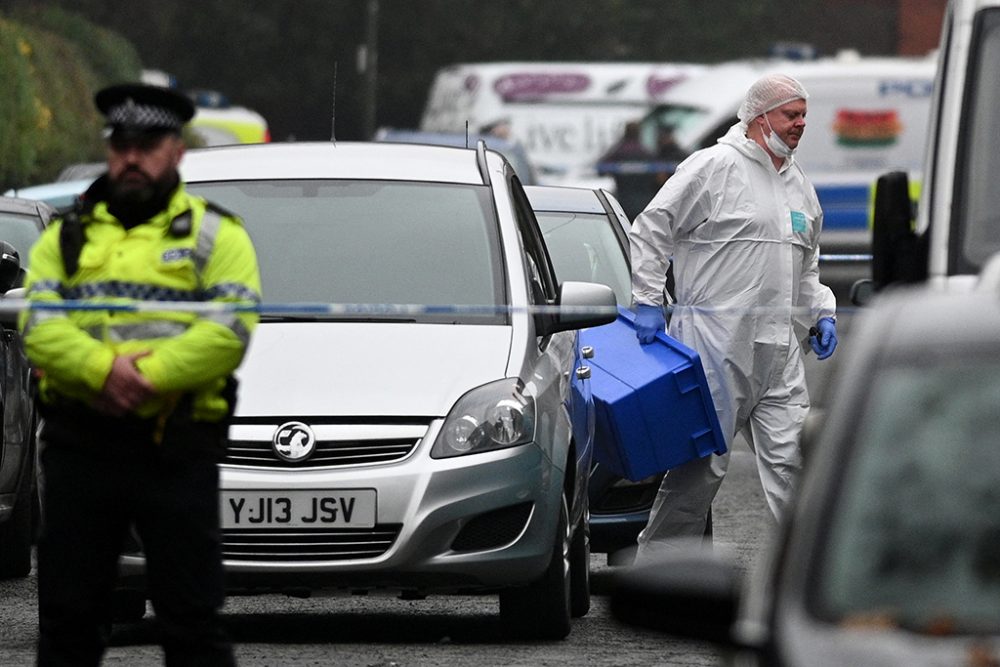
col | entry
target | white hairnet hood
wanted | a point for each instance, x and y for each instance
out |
(770, 92)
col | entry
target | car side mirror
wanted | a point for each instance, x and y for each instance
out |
(691, 593)
(862, 292)
(898, 253)
(583, 305)
(10, 266)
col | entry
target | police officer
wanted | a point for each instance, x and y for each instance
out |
(135, 403)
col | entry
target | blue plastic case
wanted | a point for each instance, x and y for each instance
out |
(654, 409)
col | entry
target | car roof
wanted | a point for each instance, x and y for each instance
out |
(26, 206)
(560, 198)
(337, 160)
(58, 193)
(933, 319)
(388, 134)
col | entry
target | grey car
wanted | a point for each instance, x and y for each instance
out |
(892, 553)
(21, 222)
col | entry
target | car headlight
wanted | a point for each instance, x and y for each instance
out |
(494, 416)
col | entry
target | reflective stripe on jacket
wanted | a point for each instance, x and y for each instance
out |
(184, 352)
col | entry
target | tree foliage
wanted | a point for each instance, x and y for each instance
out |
(281, 57)
(51, 62)
(296, 61)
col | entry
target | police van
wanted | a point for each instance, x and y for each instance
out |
(866, 115)
(566, 114)
(948, 238)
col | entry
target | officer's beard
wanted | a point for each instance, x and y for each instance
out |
(139, 198)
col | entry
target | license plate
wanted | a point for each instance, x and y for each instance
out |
(341, 508)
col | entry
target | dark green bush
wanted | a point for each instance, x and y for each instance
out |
(19, 116)
(51, 63)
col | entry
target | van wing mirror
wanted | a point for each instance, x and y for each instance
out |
(898, 253)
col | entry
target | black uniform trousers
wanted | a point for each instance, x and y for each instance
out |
(99, 478)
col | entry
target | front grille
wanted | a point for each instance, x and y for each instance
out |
(337, 443)
(294, 544)
(248, 453)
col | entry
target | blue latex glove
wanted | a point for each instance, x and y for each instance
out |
(648, 320)
(825, 340)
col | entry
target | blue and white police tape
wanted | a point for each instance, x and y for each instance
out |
(14, 306)
(835, 259)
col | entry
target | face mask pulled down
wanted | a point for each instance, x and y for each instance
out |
(775, 143)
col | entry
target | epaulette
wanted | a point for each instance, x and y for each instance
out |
(224, 212)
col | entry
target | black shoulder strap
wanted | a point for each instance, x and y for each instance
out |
(71, 240)
(71, 233)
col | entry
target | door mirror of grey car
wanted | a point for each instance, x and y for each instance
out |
(10, 266)
(690, 593)
(582, 305)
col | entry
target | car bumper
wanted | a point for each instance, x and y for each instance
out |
(465, 523)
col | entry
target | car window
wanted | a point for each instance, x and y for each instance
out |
(583, 246)
(21, 231)
(371, 242)
(539, 267)
(915, 539)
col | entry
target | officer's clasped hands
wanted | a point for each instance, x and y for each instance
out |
(648, 320)
(125, 388)
(825, 342)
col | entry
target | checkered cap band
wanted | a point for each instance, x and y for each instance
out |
(141, 116)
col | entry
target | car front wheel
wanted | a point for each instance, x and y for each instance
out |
(541, 610)
(579, 572)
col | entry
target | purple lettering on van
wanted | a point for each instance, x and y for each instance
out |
(513, 87)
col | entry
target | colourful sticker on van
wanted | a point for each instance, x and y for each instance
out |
(867, 129)
(799, 222)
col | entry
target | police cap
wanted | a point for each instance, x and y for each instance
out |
(135, 109)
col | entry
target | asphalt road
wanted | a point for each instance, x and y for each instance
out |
(376, 631)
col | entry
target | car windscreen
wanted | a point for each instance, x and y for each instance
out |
(584, 247)
(384, 243)
(914, 539)
(21, 231)
(687, 124)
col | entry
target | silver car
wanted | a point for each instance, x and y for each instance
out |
(413, 414)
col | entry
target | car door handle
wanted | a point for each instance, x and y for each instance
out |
(583, 373)
(587, 351)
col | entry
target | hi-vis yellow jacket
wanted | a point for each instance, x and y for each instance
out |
(153, 261)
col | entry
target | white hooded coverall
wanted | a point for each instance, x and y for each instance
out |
(744, 238)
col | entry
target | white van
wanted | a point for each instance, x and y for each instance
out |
(565, 114)
(866, 116)
(956, 229)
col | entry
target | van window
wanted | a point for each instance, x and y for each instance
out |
(979, 197)
(685, 122)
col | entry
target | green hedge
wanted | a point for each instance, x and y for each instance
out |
(51, 63)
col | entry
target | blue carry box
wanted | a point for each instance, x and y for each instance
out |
(654, 409)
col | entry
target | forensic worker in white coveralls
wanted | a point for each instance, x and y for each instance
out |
(741, 223)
